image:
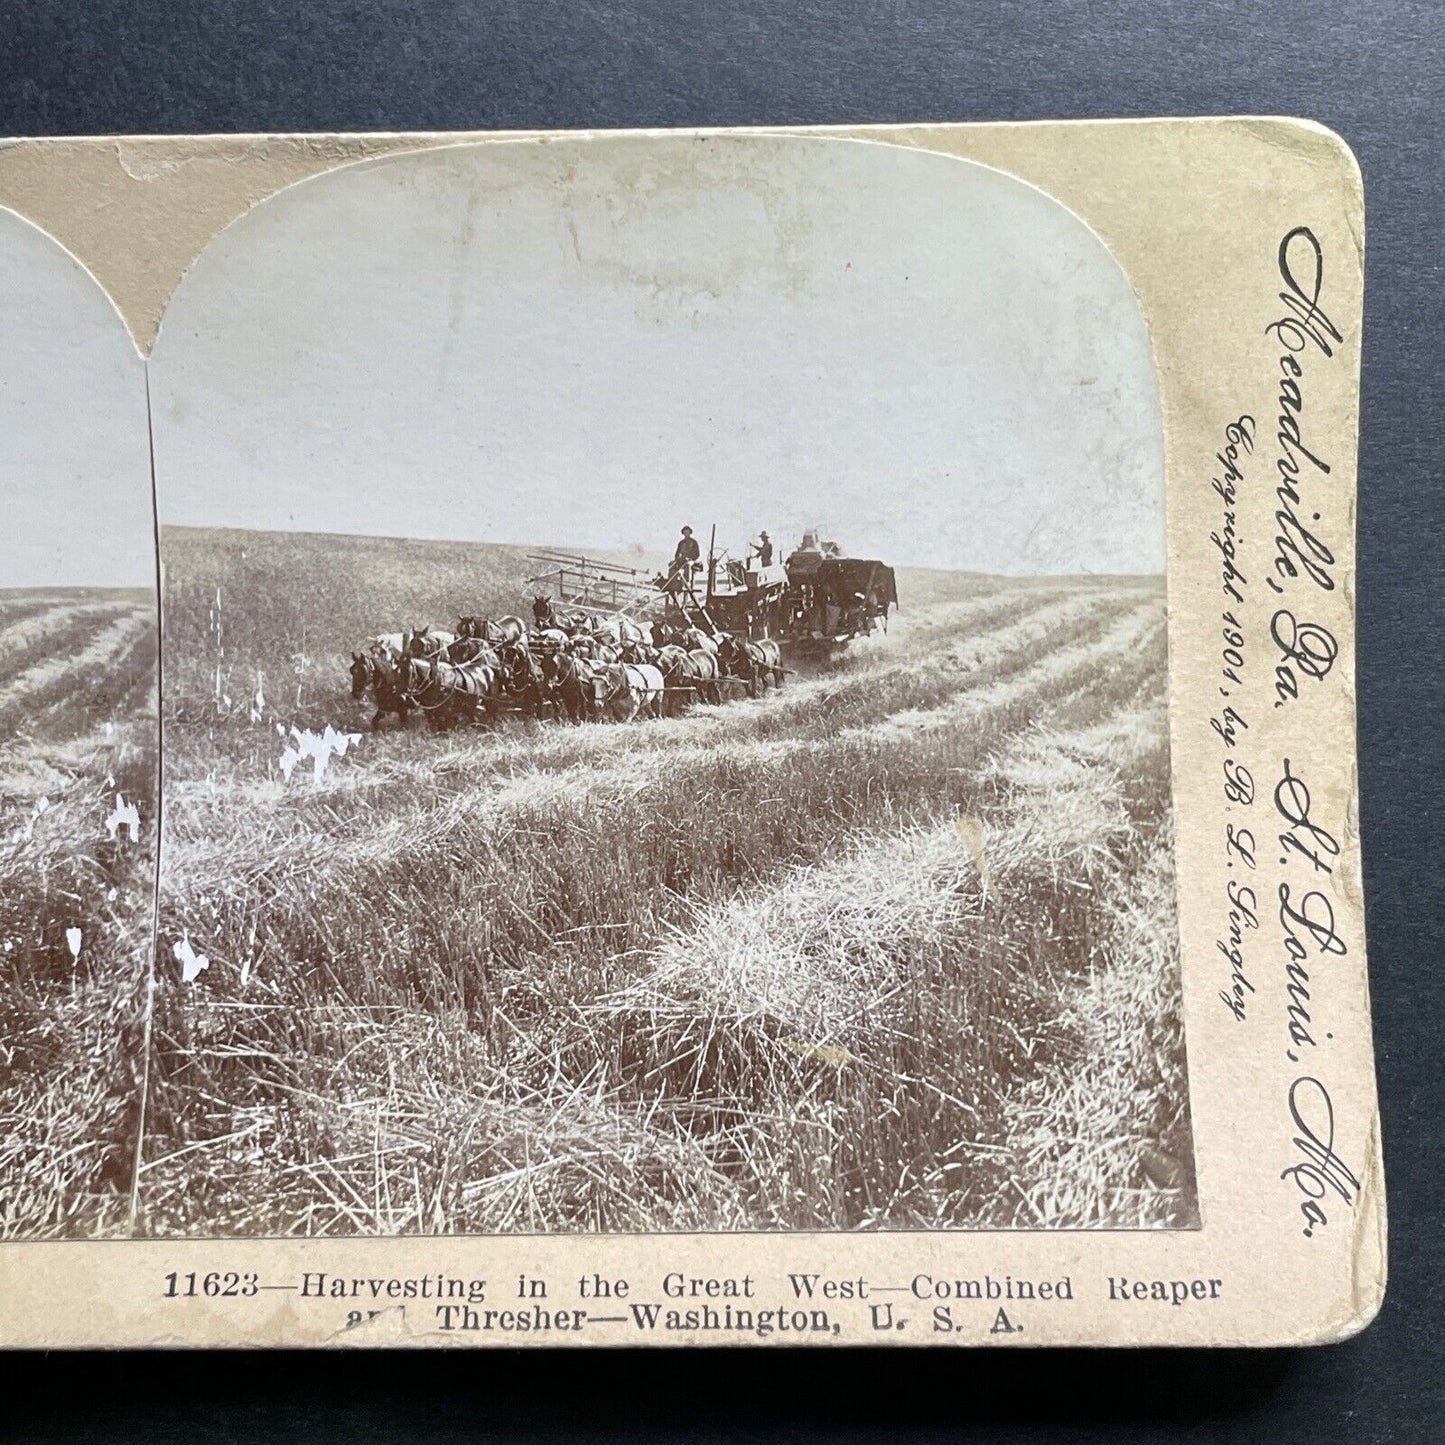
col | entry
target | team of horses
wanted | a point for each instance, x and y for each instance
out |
(568, 665)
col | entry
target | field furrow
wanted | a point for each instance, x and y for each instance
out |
(57, 629)
(822, 983)
(17, 612)
(82, 662)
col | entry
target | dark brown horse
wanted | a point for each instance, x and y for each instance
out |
(688, 677)
(468, 648)
(515, 662)
(534, 694)
(498, 631)
(572, 683)
(450, 693)
(426, 642)
(758, 664)
(379, 672)
(548, 615)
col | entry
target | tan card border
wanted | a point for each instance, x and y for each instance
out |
(1195, 212)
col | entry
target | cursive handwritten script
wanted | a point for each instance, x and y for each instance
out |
(1241, 901)
(1275, 647)
(1303, 329)
(1320, 1173)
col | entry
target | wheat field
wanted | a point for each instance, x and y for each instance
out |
(78, 750)
(893, 947)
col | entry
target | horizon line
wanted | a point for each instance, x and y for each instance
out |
(582, 547)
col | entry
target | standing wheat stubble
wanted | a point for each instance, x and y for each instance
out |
(77, 868)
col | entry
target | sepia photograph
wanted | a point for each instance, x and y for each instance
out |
(665, 698)
(78, 746)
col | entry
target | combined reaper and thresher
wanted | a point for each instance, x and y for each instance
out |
(815, 599)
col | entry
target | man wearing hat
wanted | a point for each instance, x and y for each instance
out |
(687, 552)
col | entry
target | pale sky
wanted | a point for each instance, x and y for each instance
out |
(590, 343)
(75, 486)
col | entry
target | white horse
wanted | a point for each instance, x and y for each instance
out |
(388, 644)
(630, 690)
(696, 640)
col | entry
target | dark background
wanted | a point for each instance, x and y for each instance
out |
(1374, 72)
